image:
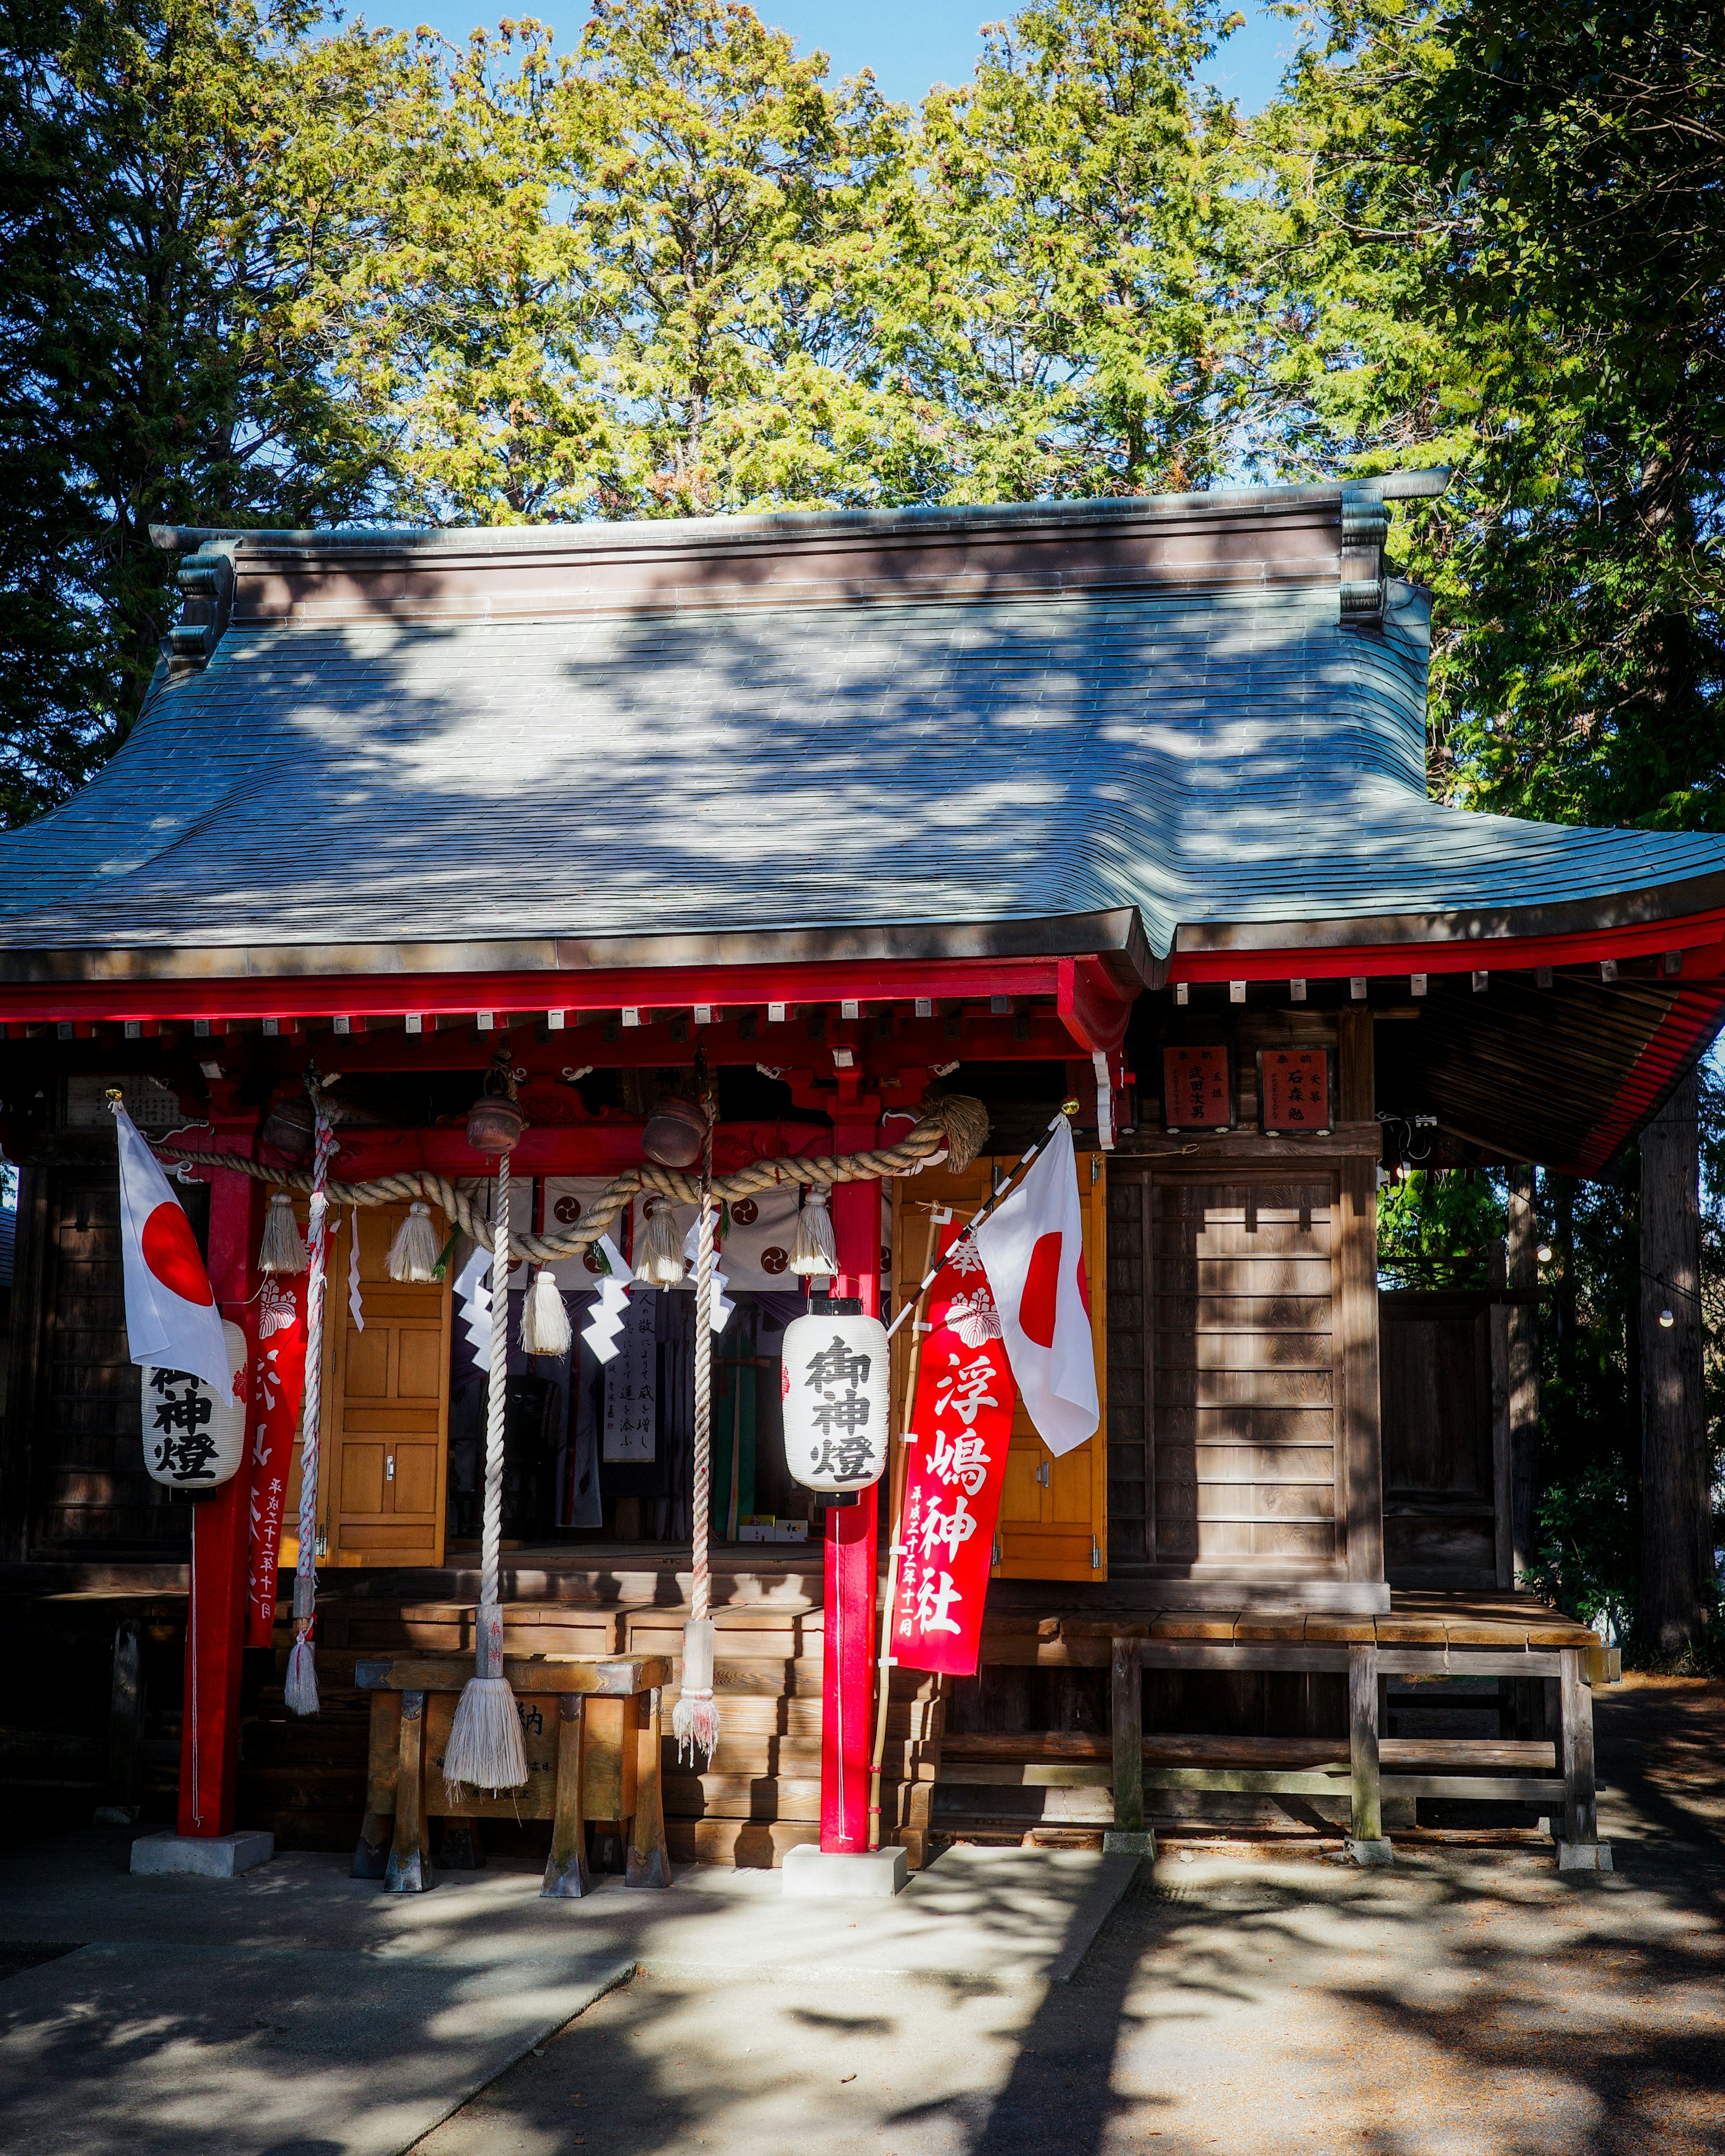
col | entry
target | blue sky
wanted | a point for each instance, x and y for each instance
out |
(909, 44)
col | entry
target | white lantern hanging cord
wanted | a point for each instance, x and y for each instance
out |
(300, 1688)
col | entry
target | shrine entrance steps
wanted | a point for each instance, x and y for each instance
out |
(757, 1797)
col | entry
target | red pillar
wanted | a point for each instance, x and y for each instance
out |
(848, 1679)
(221, 1541)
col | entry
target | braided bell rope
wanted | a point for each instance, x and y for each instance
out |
(317, 1239)
(701, 1492)
(491, 1518)
(955, 1123)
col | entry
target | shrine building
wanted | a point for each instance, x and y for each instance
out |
(1116, 802)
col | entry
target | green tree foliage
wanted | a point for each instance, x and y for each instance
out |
(1502, 240)
(1436, 1229)
(1067, 266)
(178, 219)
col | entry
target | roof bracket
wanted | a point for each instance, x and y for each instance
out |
(1365, 528)
(206, 580)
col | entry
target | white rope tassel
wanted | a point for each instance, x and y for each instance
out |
(695, 1720)
(545, 1323)
(659, 1262)
(283, 1249)
(814, 1255)
(485, 1750)
(299, 1690)
(414, 1253)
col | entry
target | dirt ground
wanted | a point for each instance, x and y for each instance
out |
(1470, 2002)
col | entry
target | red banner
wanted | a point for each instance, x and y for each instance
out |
(277, 1390)
(955, 1472)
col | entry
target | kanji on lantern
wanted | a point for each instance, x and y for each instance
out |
(833, 1382)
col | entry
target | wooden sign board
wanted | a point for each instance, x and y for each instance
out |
(1196, 1089)
(1294, 1092)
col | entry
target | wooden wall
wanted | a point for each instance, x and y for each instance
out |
(1442, 1403)
(75, 1482)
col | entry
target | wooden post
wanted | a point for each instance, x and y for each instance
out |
(1676, 1517)
(409, 1868)
(847, 1684)
(1523, 1371)
(566, 1875)
(125, 1713)
(1503, 1432)
(1128, 1719)
(1368, 1810)
(1580, 1816)
(370, 1858)
(648, 1863)
(221, 1543)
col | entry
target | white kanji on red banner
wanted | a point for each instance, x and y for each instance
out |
(956, 1470)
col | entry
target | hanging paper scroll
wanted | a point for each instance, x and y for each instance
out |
(277, 1389)
(630, 1428)
(961, 1429)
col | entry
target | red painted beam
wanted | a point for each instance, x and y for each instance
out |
(462, 994)
(1700, 939)
(1688, 1027)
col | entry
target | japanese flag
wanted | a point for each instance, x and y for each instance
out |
(171, 1321)
(1032, 1253)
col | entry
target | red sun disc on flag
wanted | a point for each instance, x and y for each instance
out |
(171, 1253)
(1040, 1299)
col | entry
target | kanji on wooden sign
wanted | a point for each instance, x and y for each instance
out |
(1294, 1091)
(1196, 1094)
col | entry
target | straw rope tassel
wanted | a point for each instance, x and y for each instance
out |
(485, 1750)
(695, 1720)
(300, 1689)
(894, 1514)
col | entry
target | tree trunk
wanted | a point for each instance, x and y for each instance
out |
(1523, 1370)
(1677, 1539)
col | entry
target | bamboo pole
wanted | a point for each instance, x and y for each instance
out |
(895, 1512)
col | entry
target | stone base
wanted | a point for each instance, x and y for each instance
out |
(1371, 1852)
(874, 1875)
(211, 1856)
(1584, 1856)
(1118, 1842)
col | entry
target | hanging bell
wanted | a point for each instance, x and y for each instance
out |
(494, 1124)
(287, 1126)
(676, 1132)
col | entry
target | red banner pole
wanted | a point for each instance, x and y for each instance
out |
(847, 1685)
(221, 1542)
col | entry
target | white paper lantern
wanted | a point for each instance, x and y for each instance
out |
(193, 1439)
(835, 1380)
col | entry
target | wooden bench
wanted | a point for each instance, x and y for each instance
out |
(590, 1727)
(1523, 1642)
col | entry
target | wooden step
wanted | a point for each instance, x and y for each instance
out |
(1053, 1747)
(750, 1844)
